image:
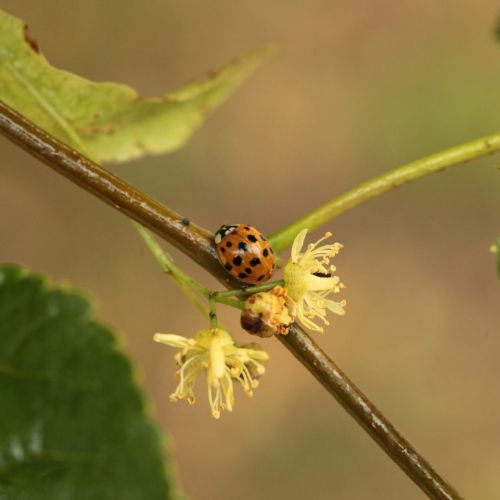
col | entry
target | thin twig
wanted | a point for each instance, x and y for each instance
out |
(196, 242)
(338, 384)
(187, 284)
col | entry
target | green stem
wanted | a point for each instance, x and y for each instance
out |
(439, 161)
(184, 281)
(247, 291)
(238, 304)
(213, 312)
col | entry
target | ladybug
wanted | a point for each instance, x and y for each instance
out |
(245, 253)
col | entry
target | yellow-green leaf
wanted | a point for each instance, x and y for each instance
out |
(109, 122)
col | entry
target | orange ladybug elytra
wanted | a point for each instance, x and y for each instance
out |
(245, 253)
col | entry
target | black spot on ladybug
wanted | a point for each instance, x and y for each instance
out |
(252, 238)
(237, 261)
(242, 246)
(229, 244)
(261, 277)
(242, 276)
(247, 228)
(222, 249)
(265, 253)
(323, 275)
(255, 262)
(228, 267)
(185, 221)
(248, 270)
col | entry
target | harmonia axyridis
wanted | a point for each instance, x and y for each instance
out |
(245, 253)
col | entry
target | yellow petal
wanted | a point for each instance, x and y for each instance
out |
(217, 363)
(297, 245)
(172, 340)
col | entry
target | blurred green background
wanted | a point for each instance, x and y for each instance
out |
(357, 88)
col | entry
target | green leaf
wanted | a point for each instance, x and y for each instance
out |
(72, 422)
(109, 122)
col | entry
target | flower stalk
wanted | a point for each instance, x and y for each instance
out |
(213, 312)
(248, 290)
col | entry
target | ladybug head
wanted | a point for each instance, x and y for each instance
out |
(223, 231)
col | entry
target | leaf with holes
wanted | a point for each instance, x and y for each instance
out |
(109, 122)
(72, 421)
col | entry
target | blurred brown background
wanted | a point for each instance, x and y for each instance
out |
(357, 88)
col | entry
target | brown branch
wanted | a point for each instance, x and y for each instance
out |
(196, 243)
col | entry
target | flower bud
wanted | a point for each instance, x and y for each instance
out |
(268, 313)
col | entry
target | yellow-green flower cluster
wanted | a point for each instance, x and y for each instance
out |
(214, 353)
